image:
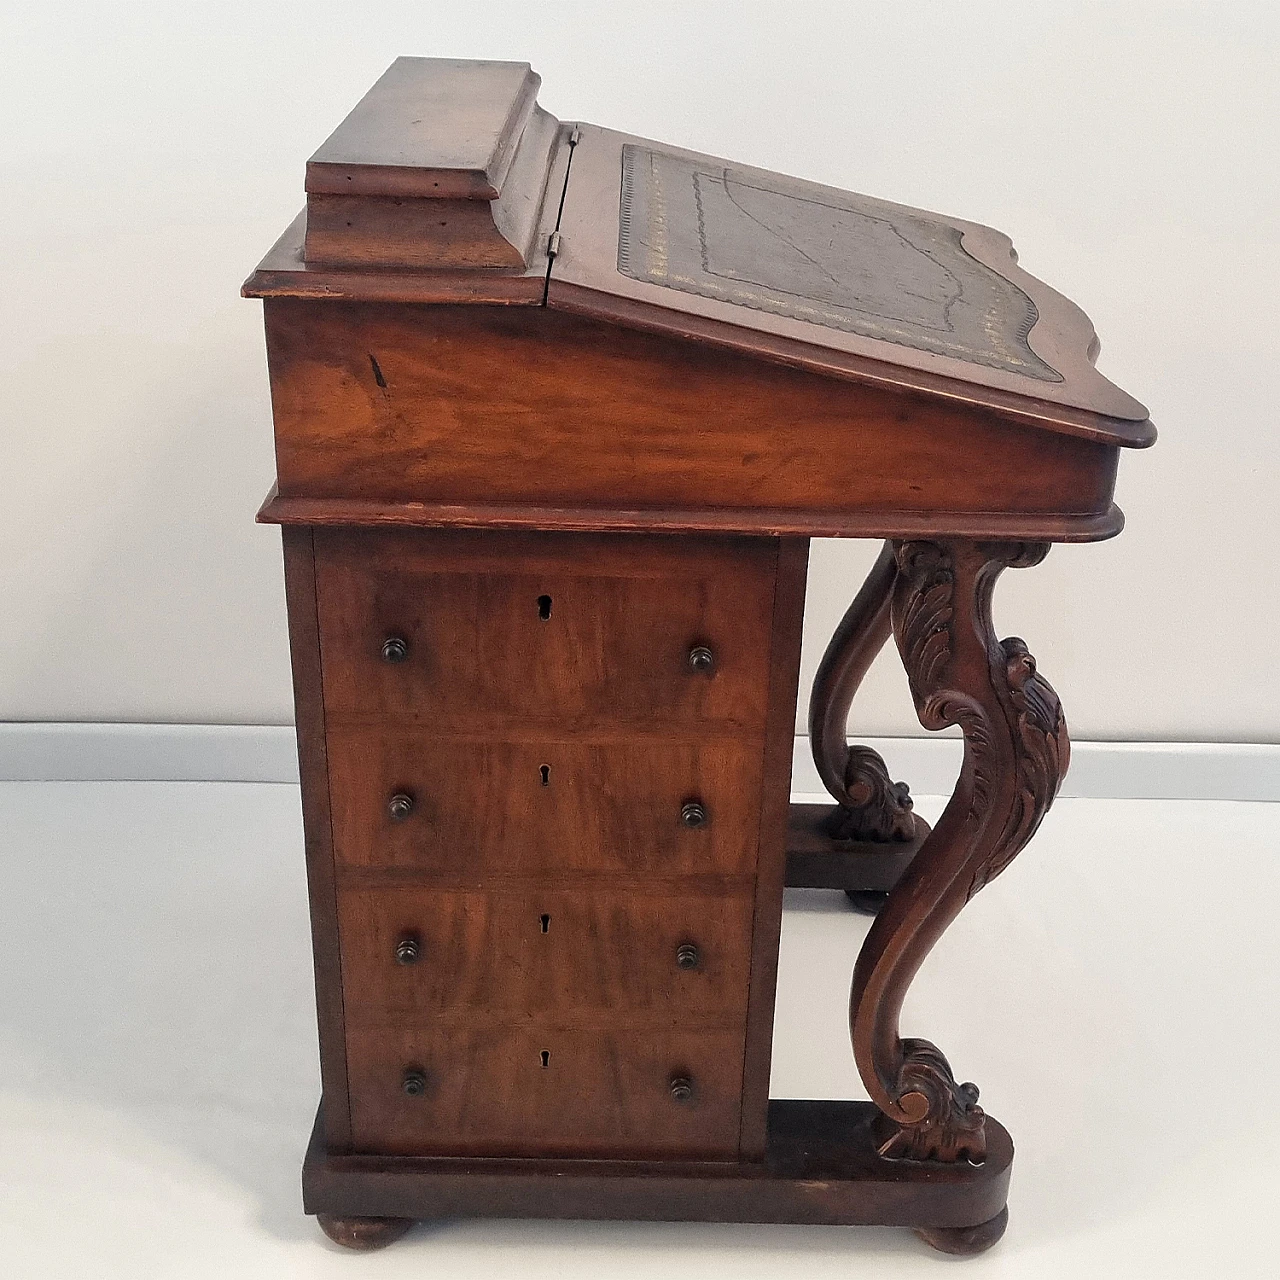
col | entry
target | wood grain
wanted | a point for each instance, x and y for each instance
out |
(604, 1092)
(589, 415)
(624, 614)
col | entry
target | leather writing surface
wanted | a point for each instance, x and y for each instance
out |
(831, 258)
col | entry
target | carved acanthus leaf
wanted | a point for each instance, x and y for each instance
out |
(1016, 752)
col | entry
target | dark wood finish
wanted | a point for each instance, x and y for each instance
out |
(481, 809)
(588, 279)
(442, 164)
(818, 860)
(606, 1089)
(556, 413)
(313, 769)
(376, 513)
(580, 955)
(771, 865)
(584, 409)
(363, 1234)
(1016, 753)
(821, 1167)
(870, 805)
(431, 128)
(625, 614)
(966, 1241)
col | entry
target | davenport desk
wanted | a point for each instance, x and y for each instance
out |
(557, 411)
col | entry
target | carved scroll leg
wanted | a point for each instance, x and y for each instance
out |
(1015, 755)
(871, 806)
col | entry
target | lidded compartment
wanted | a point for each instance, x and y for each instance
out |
(442, 165)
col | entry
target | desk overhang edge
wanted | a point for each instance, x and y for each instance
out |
(776, 349)
(751, 522)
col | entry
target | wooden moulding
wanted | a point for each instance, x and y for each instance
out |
(442, 165)
(821, 1166)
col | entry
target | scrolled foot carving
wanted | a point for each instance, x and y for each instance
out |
(951, 1124)
(1016, 753)
(873, 807)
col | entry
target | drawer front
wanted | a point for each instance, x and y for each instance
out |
(485, 1091)
(493, 629)
(410, 955)
(401, 798)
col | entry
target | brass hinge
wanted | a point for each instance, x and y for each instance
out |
(575, 136)
(554, 243)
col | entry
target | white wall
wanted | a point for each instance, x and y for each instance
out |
(152, 152)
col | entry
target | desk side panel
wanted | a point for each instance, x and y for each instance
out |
(513, 406)
(313, 765)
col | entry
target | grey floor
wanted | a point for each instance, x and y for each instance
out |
(1115, 994)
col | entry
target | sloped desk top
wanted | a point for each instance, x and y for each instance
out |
(625, 236)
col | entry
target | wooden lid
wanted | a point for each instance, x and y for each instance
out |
(442, 165)
(667, 239)
(439, 128)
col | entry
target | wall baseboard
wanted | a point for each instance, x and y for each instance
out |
(266, 753)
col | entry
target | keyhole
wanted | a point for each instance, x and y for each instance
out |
(545, 771)
(546, 1057)
(544, 608)
(545, 922)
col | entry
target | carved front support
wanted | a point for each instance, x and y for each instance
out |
(1015, 755)
(870, 805)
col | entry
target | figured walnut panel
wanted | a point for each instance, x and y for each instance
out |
(495, 406)
(601, 1093)
(481, 807)
(623, 614)
(608, 957)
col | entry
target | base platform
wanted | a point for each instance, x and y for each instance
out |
(821, 1167)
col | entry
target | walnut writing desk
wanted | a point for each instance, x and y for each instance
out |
(557, 411)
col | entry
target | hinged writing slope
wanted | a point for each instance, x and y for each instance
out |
(829, 280)
(442, 164)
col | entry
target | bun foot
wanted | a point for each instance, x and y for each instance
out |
(966, 1241)
(363, 1233)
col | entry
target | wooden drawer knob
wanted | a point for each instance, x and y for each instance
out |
(681, 1089)
(408, 951)
(394, 649)
(414, 1082)
(693, 813)
(400, 806)
(701, 658)
(687, 956)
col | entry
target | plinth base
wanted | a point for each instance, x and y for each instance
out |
(820, 1167)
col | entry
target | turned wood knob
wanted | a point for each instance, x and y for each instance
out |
(701, 658)
(394, 649)
(414, 1082)
(686, 956)
(693, 813)
(681, 1089)
(407, 951)
(400, 806)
